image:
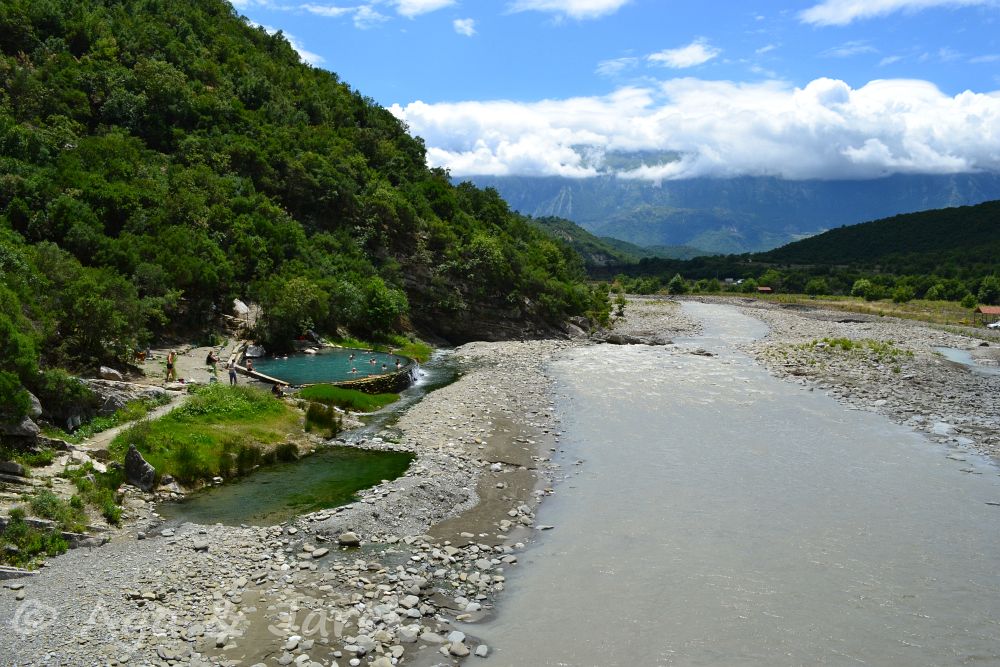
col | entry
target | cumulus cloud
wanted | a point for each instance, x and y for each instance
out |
(824, 130)
(465, 27)
(616, 66)
(844, 12)
(413, 8)
(697, 52)
(577, 9)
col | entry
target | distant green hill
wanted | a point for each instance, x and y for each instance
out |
(605, 251)
(965, 236)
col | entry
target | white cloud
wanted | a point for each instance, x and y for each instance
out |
(697, 52)
(843, 12)
(988, 58)
(616, 66)
(825, 130)
(367, 16)
(465, 27)
(577, 9)
(766, 49)
(849, 49)
(889, 60)
(327, 10)
(413, 8)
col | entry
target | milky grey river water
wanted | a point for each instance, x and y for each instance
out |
(724, 517)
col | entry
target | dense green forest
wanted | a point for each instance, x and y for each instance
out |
(159, 158)
(946, 254)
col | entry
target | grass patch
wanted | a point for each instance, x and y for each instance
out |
(98, 489)
(348, 399)
(202, 438)
(22, 545)
(33, 459)
(877, 349)
(401, 345)
(69, 517)
(132, 411)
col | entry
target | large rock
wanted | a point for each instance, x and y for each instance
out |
(25, 428)
(11, 468)
(349, 540)
(108, 373)
(35, 411)
(138, 472)
(112, 395)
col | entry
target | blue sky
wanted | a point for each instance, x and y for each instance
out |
(814, 89)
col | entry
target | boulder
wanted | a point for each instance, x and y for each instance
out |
(35, 411)
(25, 428)
(138, 472)
(349, 540)
(11, 468)
(108, 373)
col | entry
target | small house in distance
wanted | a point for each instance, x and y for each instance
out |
(986, 314)
(764, 290)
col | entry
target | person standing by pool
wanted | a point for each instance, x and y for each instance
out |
(249, 365)
(212, 361)
(232, 373)
(171, 371)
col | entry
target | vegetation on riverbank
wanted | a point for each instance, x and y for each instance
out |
(221, 431)
(21, 545)
(348, 399)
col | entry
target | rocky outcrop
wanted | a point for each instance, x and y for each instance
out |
(113, 395)
(108, 373)
(138, 471)
(23, 428)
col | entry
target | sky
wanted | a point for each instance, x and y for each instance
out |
(827, 89)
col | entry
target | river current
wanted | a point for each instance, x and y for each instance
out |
(724, 517)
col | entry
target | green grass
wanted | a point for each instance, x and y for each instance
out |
(348, 399)
(401, 345)
(32, 459)
(22, 545)
(880, 350)
(202, 438)
(47, 505)
(320, 416)
(132, 411)
(98, 489)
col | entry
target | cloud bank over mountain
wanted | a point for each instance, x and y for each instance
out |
(824, 130)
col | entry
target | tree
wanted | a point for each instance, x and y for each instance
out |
(677, 285)
(290, 307)
(989, 290)
(817, 287)
(903, 294)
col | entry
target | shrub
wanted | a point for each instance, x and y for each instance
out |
(323, 416)
(349, 399)
(677, 285)
(903, 294)
(48, 505)
(27, 542)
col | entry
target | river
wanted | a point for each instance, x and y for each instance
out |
(725, 517)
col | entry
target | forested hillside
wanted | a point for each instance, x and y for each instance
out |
(160, 157)
(965, 239)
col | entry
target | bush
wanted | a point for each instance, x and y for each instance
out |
(323, 416)
(817, 287)
(48, 505)
(968, 301)
(677, 285)
(27, 542)
(903, 294)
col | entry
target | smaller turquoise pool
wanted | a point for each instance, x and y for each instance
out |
(329, 365)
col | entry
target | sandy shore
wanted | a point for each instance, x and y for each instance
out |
(436, 544)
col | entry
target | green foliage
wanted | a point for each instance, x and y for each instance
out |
(159, 159)
(131, 411)
(47, 505)
(98, 489)
(817, 287)
(348, 399)
(903, 294)
(989, 290)
(203, 438)
(968, 301)
(677, 285)
(323, 416)
(21, 545)
(876, 349)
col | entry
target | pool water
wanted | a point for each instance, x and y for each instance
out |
(328, 365)
(964, 357)
(330, 477)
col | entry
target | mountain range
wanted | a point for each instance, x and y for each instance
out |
(735, 215)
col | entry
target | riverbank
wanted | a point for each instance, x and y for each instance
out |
(433, 545)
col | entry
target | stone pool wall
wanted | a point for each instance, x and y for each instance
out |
(389, 383)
